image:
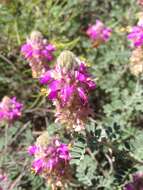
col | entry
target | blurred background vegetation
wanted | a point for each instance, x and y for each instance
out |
(117, 100)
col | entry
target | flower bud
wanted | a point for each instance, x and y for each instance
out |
(67, 60)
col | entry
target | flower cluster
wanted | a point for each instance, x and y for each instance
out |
(136, 36)
(10, 109)
(137, 183)
(69, 84)
(51, 160)
(99, 33)
(38, 53)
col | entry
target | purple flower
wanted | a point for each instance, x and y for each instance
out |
(99, 33)
(137, 182)
(129, 187)
(68, 88)
(46, 77)
(3, 177)
(50, 158)
(136, 36)
(63, 152)
(38, 53)
(68, 84)
(66, 93)
(50, 48)
(49, 165)
(32, 150)
(4, 181)
(10, 109)
(38, 166)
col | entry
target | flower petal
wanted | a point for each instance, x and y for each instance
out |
(82, 95)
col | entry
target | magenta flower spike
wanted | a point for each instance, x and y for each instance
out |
(10, 109)
(98, 33)
(69, 84)
(136, 36)
(51, 159)
(38, 52)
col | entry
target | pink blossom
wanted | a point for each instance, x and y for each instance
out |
(68, 89)
(10, 109)
(50, 158)
(37, 49)
(38, 52)
(32, 150)
(136, 36)
(38, 165)
(68, 84)
(4, 182)
(3, 177)
(99, 33)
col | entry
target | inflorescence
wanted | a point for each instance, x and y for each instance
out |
(10, 109)
(69, 84)
(51, 160)
(98, 33)
(38, 53)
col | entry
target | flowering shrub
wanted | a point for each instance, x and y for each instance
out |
(80, 134)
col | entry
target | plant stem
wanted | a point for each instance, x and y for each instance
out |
(6, 137)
